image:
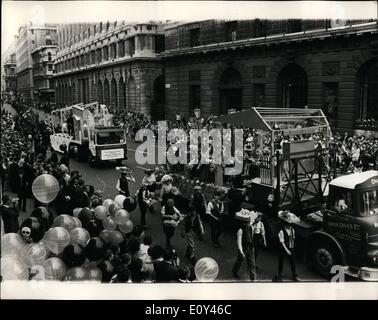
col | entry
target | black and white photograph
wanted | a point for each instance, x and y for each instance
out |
(189, 150)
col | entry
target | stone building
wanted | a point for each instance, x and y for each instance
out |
(29, 38)
(43, 71)
(9, 75)
(218, 65)
(113, 63)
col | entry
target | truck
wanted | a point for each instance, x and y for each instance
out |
(86, 132)
(337, 221)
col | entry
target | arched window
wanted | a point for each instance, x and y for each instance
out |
(292, 87)
(131, 90)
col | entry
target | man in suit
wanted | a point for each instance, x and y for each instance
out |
(9, 215)
(164, 269)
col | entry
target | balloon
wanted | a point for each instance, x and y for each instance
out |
(32, 229)
(121, 216)
(85, 216)
(105, 235)
(45, 215)
(95, 249)
(206, 269)
(76, 212)
(54, 269)
(73, 255)
(113, 208)
(77, 274)
(130, 204)
(94, 274)
(45, 188)
(65, 221)
(12, 243)
(94, 227)
(107, 203)
(101, 212)
(34, 254)
(126, 227)
(57, 239)
(79, 236)
(116, 237)
(12, 268)
(109, 224)
(119, 199)
(77, 222)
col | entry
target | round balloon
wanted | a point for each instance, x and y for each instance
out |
(94, 227)
(121, 216)
(116, 237)
(12, 243)
(32, 229)
(54, 269)
(34, 254)
(109, 224)
(76, 212)
(85, 216)
(105, 235)
(206, 269)
(73, 255)
(100, 212)
(56, 239)
(79, 236)
(130, 204)
(113, 208)
(45, 215)
(127, 227)
(107, 203)
(77, 222)
(65, 221)
(119, 199)
(45, 188)
(95, 249)
(94, 274)
(12, 268)
(77, 274)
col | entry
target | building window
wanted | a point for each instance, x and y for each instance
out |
(106, 53)
(47, 32)
(259, 94)
(159, 44)
(99, 55)
(130, 46)
(231, 28)
(48, 42)
(121, 48)
(50, 67)
(294, 25)
(194, 97)
(49, 56)
(194, 37)
(32, 42)
(113, 51)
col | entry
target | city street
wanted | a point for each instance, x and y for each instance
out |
(105, 177)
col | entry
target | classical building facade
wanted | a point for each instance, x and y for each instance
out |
(113, 63)
(43, 71)
(29, 38)
(218, 65)
(9, 75)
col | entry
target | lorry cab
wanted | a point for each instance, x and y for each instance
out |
(351, 217)
(107, 143)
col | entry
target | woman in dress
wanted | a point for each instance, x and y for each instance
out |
(171, 216)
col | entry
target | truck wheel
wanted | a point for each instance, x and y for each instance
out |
(91, 160)
(324, 257)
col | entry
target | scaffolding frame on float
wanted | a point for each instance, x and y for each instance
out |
(296, 168)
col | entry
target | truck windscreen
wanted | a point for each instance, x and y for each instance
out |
(368, 203)
(112, 137)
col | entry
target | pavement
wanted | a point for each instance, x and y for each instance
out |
(105, 178)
